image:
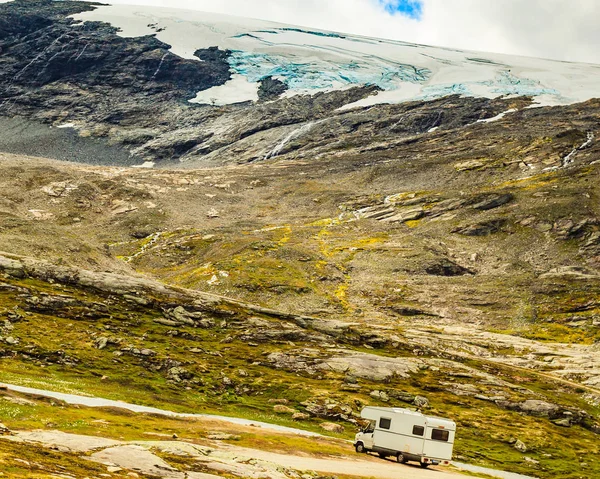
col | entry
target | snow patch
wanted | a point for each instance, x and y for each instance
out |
(146, 164)
(236, 90)
(310, 61)
(497, 117)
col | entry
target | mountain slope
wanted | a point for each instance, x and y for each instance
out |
(317, 247)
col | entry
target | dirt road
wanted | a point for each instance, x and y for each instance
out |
(358, 465)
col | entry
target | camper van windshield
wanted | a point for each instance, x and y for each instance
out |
(369, 427)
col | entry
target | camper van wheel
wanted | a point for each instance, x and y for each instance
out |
(360, 447)
(401, 459)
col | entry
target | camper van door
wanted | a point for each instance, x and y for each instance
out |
(439, 442)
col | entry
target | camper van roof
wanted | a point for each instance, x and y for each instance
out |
(434, 420)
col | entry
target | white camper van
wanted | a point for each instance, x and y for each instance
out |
(407, 435)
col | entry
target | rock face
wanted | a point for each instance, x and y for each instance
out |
(92, 55)
(133, 93)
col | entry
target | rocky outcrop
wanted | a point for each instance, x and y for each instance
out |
(485, 228)
(180, 306)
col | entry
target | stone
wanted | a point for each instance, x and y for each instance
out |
(421, 402)
(300, 416)
(535, 407)
(179, 374)
(59, 189)
(4, 429)
(381, 395)
(566, 422)
(281, 409)
(520, 446)
(446, 267)
(493, 201)
(469, 165)
(332, 427)
(485, 228)
(371, 366)
(408, 215)
(101, 343)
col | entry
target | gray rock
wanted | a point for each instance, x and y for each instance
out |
(421, 402)
(520, 446)
(408, 215)
(485, 228)
(281, 409)
(300, 416)
(179, 374)
(493, 201)
(566, 422)
(371, 366)
(332, 427)
(101, 343)
(381, 395)
(536, 407)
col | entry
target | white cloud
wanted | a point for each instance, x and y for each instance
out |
(542, 28)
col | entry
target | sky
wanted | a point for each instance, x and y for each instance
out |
(558, 29)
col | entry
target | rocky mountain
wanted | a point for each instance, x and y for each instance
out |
(321, 219)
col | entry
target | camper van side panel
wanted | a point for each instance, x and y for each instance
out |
(438, 443)
(399, 436)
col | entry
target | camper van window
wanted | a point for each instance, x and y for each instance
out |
(440, 435)
(369, 428)
(418, 430)
(385, 423)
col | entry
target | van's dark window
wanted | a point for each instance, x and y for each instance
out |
(385, 423)
(440, 435)
(418, 430)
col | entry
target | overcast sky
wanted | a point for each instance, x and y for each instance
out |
(563, 30)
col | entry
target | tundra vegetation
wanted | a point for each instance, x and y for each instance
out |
(397, 255)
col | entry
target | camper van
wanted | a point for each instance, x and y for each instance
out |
(406, 435)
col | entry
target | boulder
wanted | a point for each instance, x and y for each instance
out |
(300, 416)
(380, 395)
(101, 343)
(179, 374)
(485, 228)
(371, 366)
(332, 427)
(520, 446)
(281, 409)
(446, 267)
(493, 201)
(535, 407)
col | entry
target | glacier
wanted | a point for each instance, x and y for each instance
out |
(308, 61)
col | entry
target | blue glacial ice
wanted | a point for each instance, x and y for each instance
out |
(322, 74)
(507, 84)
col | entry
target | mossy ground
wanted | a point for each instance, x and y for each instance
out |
(232, 377)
